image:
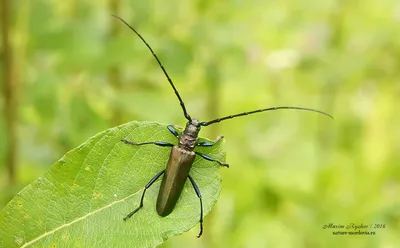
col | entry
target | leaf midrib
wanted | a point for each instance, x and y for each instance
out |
(77, 220)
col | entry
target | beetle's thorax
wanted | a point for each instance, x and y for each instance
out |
(188, 138)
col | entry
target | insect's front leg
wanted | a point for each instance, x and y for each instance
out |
(207, 143)
(172, 129)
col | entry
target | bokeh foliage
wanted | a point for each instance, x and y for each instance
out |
(81, 71)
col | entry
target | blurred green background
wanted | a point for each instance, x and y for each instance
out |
(70, 70)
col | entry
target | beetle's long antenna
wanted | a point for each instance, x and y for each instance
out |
(259, 111)
(187, 116)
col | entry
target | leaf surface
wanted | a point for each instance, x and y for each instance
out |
(82, 199)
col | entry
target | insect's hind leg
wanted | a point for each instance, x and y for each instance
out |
(201, 204)
(144, 192)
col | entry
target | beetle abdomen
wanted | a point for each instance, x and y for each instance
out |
(178, 167)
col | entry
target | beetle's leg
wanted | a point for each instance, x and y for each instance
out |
(207, 143)
(144, 191)
(173, 130)
(158, 143)
(212, 159)
(201, 204)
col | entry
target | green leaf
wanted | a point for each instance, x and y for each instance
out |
(82, 200)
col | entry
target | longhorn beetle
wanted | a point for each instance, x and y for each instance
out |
(182, 155)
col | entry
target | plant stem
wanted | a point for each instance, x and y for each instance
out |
(9, 87)
(114, 73)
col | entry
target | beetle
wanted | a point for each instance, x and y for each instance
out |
(182, 155)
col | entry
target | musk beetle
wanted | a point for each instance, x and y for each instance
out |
(182, 155)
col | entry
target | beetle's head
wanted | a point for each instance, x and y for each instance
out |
(193, 127)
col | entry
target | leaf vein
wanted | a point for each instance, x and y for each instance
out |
(76, 220)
